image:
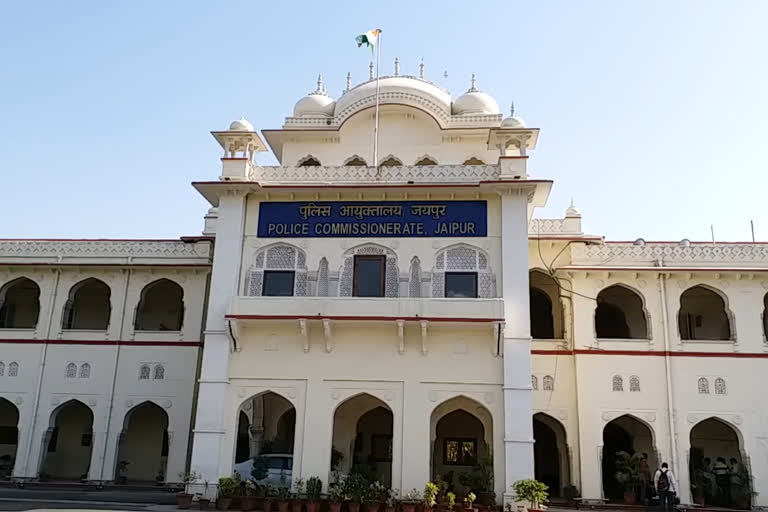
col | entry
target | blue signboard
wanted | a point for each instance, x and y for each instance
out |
(364, 219)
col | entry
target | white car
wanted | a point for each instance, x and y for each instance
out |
(279, 469)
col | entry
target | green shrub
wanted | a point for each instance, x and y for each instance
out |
(532, 491)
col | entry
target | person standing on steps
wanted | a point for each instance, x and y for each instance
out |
(665, 483)
(723, 481)
(645, 477)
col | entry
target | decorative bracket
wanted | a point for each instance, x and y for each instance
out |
(327, 334)
(495, 342)
(304, 333)
(423, 324)
(401, 335)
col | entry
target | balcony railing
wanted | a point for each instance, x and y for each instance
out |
(390, 175)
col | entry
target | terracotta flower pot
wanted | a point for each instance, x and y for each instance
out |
(353, 506)
(389, 508)
(183, 500)
(223, 503)
(247, 503)
(267, 504)
(372, 507)
(296, 506)
(204, 503)
(409, 507)
(630, 498)
(283, 505)
(312, 506)
(334, 506)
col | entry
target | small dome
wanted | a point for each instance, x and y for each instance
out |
(572, 211)
(513, 121)
(474, 102)
(316, 103)
(241, 125)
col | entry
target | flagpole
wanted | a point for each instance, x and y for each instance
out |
(376, 124)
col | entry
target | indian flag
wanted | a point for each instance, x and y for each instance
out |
(369, 39)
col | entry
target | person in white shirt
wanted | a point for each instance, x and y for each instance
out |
(665, 483)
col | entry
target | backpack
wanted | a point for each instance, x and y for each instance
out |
(663, 484)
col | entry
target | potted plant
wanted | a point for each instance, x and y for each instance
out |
(356, 488)
(314, 489)
(628, 475)
(532, 491)
(376, 495)
(269, 494)
(430, 495)
(703, 487)
(390, 504)
(410, 500)
(336, 497)
(227, 488)
(250, 490)
(283, 498)
(741, 489)
(469, 501)
(184, 498)
(297, 494)
(204, 501)
(122, 467)
(570, 493)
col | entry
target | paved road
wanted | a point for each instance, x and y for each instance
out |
(107, 499)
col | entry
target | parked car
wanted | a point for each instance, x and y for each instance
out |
(279, 469)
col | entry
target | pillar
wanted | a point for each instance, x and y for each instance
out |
(518, 407)
(213, 393)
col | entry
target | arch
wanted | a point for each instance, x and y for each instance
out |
(704, 315)
(9, 436)
(267, 432)
(461, 431)
(308, 161)
(426, 160)
(703, 386)
(414, 278)
(720, 387)
(534, 383)
(19, 304)
(626, 433)
(355, 161)
(161, 307)
(550, 453)
(391, 271)
(473, 160)
(88, 306)
(621, 314)
(362, 437)
(546, 308)
(463, 258)
(68, 442)
(143, 444)
(717, 448)
(548, 383)
(390, 161)
(278, 260)
(323, 278)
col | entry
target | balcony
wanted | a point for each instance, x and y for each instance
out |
(486, 314)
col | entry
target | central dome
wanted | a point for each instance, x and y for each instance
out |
(406, 90)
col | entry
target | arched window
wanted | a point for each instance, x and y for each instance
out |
(13, 370)
(620, 314)
(19, 304)
(71, 370)
(369, 270)
(414, 278)
(391, 161)
(278, 271)
(634, 383)
(703, 315)
(463, 271)
(2, 368)
(546, 310)
(549, 383)
(473, 161)
(159, 372)
(85, 371)
(355, 161)
(618, 383)
(534, 383)
(703, 386)
(308, 161)
(88, 306)
(161, 307)
(144, 372)
(426, 160)
(719, 386)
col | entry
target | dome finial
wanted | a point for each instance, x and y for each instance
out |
(421, 69)
(512, 113)
(473, 86)
(397, 66)
(349, 81)
(370, 71)
(319, 83)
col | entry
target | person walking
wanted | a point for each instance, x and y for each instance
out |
(665, 483)
(723, 481)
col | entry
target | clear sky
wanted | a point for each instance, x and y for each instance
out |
(654, 114)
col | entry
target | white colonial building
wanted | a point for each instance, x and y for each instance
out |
(406, 317)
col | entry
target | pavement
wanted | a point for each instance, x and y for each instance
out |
(86, 499)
